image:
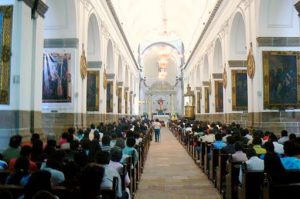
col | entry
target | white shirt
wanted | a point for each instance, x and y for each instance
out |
(156, 125)
(253, 164)
(208, 138)
(278, 148)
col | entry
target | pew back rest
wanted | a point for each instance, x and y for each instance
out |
(252, 182)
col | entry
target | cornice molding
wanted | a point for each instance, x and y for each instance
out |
(41, 6)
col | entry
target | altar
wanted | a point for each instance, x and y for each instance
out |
(164, 118)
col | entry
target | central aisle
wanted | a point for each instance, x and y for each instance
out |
(170, 173)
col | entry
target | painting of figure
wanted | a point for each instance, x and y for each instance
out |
(6, 13)
(281, 88)
(109, 97)
(57, 78)
(92, 91)
(219, 96)
(206, 97)
(239, 90)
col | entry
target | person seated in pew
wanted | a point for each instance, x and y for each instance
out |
(105, 146)
(239, 155)
(257, 142)
(90, 179)
(13, 150)
(292, 159)
(230, 147)
(208, 137)
(52, 166)
(273, 165)
(103, 158)
(278, 148)
(38, 181)
(130, 150)
(26, 153)
(284, 137)
(20, 175)
(253, 163)
(218, 143)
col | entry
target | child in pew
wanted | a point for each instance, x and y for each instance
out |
(292, 151)
(253, 163)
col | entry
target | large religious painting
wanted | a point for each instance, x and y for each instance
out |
(130, 100)
(109, 97)
(119, 94)
(206, 99)
(57, 78)
(126, 101)
(198, 102)
(6, 13)
(92, 97)
(219, 96)
(239, 90)
(281, 79)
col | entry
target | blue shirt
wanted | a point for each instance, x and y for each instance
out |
(131, 152)
(218, 144)
(290, 163)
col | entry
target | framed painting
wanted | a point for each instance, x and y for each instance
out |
(92, 97)
(219, 96)
(109, 97)
(6, 13)
(239, 90)
(57, 78)
(198, 102)
(119, 94)
(206, 99)
(126, 101)
(281, 70)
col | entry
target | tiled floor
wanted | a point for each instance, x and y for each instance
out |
(170, 173)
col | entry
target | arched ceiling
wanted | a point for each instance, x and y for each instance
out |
(152, 21)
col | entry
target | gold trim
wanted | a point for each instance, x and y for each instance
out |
(104, 79)
(266, 75)
(250, 63)
(83, 64)
(234, 74)
(218, 106)
(6, 53)
(206, 99)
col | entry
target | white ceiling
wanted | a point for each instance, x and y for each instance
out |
(143, 22)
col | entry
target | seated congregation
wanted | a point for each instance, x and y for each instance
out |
(240, 163)
(102, 162)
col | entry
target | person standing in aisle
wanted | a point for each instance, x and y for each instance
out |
(157, 126)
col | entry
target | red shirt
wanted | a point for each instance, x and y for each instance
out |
(11, 165)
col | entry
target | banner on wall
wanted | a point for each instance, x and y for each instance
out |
(57, 78)
(5, 52)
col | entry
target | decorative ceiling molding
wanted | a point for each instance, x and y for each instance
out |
(113, 12)
(212, 16)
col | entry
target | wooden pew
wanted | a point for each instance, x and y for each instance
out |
(207, 147)
(15, 190)
(251, 184)
(3, 176)
(287, 187)
(221, 171)
(232, 179)
(213, 163)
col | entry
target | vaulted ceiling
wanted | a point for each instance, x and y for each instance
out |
(147, 22)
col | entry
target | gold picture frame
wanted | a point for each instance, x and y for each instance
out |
(5, 52)
(281, 74)
(93, 81)
(239, 90)
(206, 99)
(219, 96)
(198, 102)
